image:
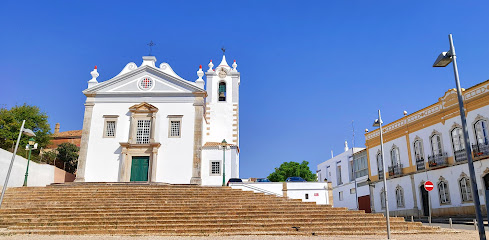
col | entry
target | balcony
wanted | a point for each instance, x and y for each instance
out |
(420, 164)
(480, 151)
(437, 160)
(395, 170)
(460, 155)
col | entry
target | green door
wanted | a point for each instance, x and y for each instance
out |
(139, 169)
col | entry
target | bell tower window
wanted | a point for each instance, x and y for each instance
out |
(222, 92)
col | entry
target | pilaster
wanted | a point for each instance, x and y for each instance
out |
(197, 157)
(82, 158)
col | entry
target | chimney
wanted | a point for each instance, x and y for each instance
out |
(56, 128)
(346, 146)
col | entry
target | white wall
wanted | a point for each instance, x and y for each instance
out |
(175, 155)
(39, 174)
(317, 192)
(209, 155)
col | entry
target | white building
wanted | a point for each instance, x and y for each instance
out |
(428, 145)
(149, 124)
(341, 171)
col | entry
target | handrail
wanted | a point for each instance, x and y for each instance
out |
(257, 189)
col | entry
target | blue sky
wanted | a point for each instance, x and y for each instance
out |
(308, 68)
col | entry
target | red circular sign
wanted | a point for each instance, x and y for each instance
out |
(428, 186)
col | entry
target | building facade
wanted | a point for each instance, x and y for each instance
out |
(429, 145)
(343, 171)
(147, 124)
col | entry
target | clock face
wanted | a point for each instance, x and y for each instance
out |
(222, 73)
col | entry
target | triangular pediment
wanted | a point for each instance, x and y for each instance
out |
(145, 80)
(143, 107)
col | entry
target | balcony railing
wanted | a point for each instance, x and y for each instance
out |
(437, 160)
(395, 170)
(480, 150)
(460, 155)
(420, 164)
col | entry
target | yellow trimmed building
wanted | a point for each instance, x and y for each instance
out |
(428, 145)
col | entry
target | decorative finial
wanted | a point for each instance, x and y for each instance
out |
(95, 67)
(200, 66)
(200, 82)
(234, 65)
(223, 50)
(93, 81)
(211, 65)
(151, 44)
(405, 113)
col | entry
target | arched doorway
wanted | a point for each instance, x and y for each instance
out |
(424, 200)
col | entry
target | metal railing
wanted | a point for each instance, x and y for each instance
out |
(261, 190)
(460, 155)
(480, 150)
(420, 164)
(395, 169)
(437, 160)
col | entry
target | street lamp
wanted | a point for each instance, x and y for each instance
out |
(30, 146)
(378, 123)
(443, 60)
(224, 144)
(27, 132)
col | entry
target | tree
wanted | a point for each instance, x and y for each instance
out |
(11, 121)
(292, 169)
(68, 154)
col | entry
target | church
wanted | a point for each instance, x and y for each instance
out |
(147, 124)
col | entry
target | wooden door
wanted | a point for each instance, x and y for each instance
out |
(364, 203)
(139, 169)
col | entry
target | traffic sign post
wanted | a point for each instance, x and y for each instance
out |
(428, 185)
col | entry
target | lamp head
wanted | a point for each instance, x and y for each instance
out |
(224, 143)
(31, 141)
(28, 132)
(443, 60)
(377, 123)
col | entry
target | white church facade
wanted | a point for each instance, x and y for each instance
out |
(147, 124)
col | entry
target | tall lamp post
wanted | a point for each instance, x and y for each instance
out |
(32, 145)
(378, 123)
(224, 144)
(443, 60)
(27, 132)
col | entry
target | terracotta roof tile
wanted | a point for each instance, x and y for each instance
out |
(216, 144)
(71, 134)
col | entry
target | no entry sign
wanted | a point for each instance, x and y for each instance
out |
(428, 186)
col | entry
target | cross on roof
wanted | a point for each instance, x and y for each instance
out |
(151, 44)
(223, 50)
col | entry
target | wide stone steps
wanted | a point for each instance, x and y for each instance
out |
(138, 209)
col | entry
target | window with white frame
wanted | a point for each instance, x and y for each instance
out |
(465, 189)
(143, 131)
(436, 148)
(110, 130)
(360, 166)
(215, 168)
(457, 139)
(481, 132)
(395, 158)
(338, 175)
(380, 166)
(399, 197)
(382, 198)
(443, 192)
(418, 150)
(110, 123)
(174, 126)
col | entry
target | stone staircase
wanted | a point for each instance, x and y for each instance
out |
(142, 209)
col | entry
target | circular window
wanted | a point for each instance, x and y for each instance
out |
(146, 83)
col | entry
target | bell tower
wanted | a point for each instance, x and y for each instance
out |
(222, 103)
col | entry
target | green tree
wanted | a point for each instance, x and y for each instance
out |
(11, 121)
(68, 154)
(292, 169)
